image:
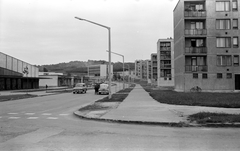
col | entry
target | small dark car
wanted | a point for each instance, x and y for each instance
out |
(80, 88)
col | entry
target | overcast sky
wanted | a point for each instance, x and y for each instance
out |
(44, 32)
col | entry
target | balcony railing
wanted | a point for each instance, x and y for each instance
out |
(165, 48)
(196, 50)
(165, 66)
(165, 57)
(199, 13)
(195, 31)
(196, 68)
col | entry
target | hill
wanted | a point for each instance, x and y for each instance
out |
(80, 67)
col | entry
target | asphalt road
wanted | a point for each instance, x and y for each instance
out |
(48, 124)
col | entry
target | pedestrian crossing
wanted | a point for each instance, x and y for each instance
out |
(33, 116)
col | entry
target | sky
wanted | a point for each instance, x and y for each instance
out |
(43, 32)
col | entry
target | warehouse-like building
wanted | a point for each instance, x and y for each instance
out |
(16, 74)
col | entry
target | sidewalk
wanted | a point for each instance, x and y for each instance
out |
(140, 107)
(38, 92)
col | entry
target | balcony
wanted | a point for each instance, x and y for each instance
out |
(194, 13)
(196, 50)
(195, 32)
(196, 68)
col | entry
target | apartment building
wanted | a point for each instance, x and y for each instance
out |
(141, 69)
(154, 73)
(206, 45)
(165, 62)
(149, 70)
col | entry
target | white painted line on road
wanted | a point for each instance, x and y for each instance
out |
(13, 113)
(52, 118)
(32, 118)
(29, 113)
(63, 114)
(47, 114)
(13, 117)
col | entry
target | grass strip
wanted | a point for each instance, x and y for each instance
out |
(4, 98)
(208, 117)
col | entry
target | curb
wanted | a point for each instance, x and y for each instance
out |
(166, 124)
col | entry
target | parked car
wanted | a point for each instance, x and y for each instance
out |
(80, 88)
(104, 89)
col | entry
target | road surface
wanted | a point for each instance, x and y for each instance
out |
(48, 124)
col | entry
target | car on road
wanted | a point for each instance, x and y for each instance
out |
(103, 89)
(80, 88)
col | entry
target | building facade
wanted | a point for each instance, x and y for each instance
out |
(141, 69)
(154, 73)
(99, 73)
(165, 62)
(206, 45)
(17, 74)
(52, 79)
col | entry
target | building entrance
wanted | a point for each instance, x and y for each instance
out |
(237, 81)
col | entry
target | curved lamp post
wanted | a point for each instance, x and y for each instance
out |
(109, 54)
(123, 66)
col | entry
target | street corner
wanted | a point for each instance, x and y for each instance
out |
(95, 109)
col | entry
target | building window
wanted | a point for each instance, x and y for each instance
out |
(223, 6)
(236, 60)
(235, 24)
(235, 42)
(224, 42)
(229, 75)
(195, 76)
(223, 24)
(219, 75)
(224, 60)
(204, 76)
(234, 5)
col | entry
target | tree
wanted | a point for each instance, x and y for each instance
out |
(45, 69)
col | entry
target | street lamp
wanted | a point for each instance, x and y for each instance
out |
(109, 54)
(123, 66)
(128, 73)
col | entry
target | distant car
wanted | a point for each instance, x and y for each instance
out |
(104, 89)
(80, 88)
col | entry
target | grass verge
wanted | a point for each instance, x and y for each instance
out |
(4, 98)
(225, 100)
(207, 117)
(116, 97)
(168, 96)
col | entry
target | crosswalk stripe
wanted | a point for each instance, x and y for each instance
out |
(13, 113)
(63, 114)
(13, 117)
(47, 114)
(52, 118)
(29, 113)
(32, 118)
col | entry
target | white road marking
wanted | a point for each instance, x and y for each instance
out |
(47, 114)
(13, 113)
(29, 113)
(63, 114)
(33, 118)
(52, 118)
(13, 117)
